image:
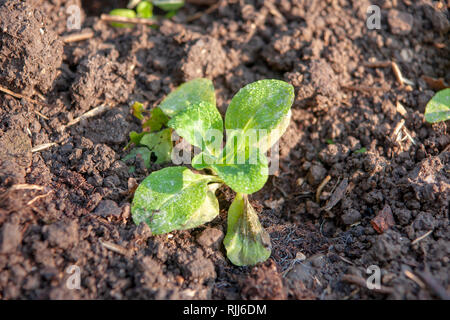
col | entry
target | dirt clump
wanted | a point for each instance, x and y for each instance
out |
(30, 52)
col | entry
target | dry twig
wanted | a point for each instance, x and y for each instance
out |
(337, 195)
(207, 11)
(38, 197)
(43, 146)
(362, 283)
(401, 109)
(91, 113)
(398, 75)
(377, 64)
(114, 247)
(21, 96)
(120, 19)
(414, 278)
(75, 37)
(321, 186)
(422, 237)
(26, 187)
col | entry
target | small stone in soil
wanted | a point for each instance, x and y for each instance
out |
(11, 237)
(351, 216)
(143, 231)
(210, 238)
(107, 208)
(401, 23)
(316, 174)
(384, 220)
(200, 269)
(62, 234)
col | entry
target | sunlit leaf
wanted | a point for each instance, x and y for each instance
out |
(265, 142)
(191, 92)
(138, 108)
(207, 211)
(160, 144)
(170, 199)
(201, 125)
(127, 13)
(143, 152)
(144, 9)
(261, 105)
(246, 241)
(438, 108)
(169, 5)
(202, 160)
(246, 174)
(157, 120)
(135, 138)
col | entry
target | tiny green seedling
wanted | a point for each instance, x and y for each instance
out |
(361, 151)
(177, 198)
(156, 139)
(144, 9)
(438, 108)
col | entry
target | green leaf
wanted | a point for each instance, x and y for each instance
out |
(169, 5)
(128, 13)
(245, 175)
(246, 241)
(207, 211)
(261, 105)
(135, 138)
(138, 108)
(170, 199)
(160, 144)
(157, 120)
(143, 151)
(201, 125)
(265, 142)
(188, 93)
(362, 150)
(202, 160)
(438, 108)
(144, 9)
(170, 14)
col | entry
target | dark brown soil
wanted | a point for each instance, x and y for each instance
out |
(342, 105)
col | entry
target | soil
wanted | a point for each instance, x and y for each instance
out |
(342, 129)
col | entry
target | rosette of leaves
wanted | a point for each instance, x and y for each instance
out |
(154, 143)
(177, 198)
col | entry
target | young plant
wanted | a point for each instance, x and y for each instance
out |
(155, 141)
(176, 198)
(438, 108)
(144, 9)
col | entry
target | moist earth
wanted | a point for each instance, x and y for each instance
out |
(345, 131)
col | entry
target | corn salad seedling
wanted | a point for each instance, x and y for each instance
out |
(144, 9)
(176, 198)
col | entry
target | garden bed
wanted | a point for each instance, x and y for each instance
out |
(357, 135)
